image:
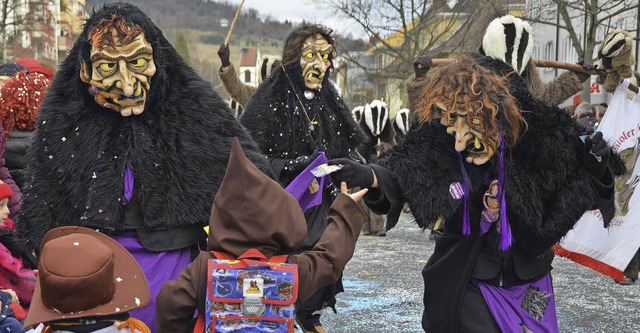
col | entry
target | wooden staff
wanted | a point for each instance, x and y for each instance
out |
(233, 23)
(546, 63)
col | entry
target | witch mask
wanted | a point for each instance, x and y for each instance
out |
(315, 61)
(466, 124)
(476, 108)
(121, 67)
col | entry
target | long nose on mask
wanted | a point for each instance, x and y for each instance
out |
(126, 81)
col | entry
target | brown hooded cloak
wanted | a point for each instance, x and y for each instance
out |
(253, 211)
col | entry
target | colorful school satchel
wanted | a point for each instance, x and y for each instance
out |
(250, 293)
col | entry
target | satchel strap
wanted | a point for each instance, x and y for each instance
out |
(253, 254)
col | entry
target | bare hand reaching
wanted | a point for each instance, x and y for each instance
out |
(355, 196)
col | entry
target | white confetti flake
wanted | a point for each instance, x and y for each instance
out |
(64, 139)
(137, 301)
(76, 243)
(119, 279)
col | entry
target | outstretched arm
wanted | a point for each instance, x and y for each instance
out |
(323, 264)
(239, 91)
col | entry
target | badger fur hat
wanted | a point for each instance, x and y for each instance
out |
(357, 113)
(616, 58)
(376, 116)
(402, 121)
(509, 39)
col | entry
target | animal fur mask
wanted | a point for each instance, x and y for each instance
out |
(476, 107)
(509, 39)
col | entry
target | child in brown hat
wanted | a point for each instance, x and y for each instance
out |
(87, 282)
(251, 211)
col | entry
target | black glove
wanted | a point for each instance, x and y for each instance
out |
(584, 76)
(421, 65)
(224, 53)
(595, 155)
(352, 173)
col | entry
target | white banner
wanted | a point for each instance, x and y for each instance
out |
(610, 250)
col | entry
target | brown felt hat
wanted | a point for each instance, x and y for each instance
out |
(84, 273)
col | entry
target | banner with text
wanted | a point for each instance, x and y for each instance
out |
(609, 250)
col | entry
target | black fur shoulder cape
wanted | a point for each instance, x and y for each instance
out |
(279, 125)
(179, 146)
(547, 188)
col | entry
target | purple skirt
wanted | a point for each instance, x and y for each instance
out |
(159, 267)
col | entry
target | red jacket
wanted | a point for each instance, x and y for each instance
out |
(13, 275)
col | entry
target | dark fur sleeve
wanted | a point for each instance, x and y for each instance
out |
(424, 166)
(547, 187)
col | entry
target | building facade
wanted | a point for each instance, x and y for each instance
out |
(554, 43)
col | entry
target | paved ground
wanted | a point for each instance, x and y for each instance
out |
(384, 290)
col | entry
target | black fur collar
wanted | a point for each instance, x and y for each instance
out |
(547, 188)
(277, 122)
(179, 146)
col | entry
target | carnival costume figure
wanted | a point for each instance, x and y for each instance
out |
(132, 142)
(295, 114)
(508, 178)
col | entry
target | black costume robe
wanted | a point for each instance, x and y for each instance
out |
(178, 148)
(278, 123)
(547, 190)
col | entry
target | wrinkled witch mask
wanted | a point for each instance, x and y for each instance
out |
(466, 121)
(315, 61)
(121, 68)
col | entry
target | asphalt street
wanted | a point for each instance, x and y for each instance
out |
(383, 290)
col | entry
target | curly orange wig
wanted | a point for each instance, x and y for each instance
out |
(20, 100)
(483, 93)
(115, 31)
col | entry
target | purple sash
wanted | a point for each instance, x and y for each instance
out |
(531, 305)
(299, 187)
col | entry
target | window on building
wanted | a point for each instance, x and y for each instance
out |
(379, 58)
(548, 51)
(247, 76)
(569, 53)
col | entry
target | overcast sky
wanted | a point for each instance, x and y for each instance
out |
(297, 11)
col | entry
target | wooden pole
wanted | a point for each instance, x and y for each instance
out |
(545, 63)
(233, 23)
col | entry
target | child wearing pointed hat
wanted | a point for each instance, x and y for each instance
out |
(252, 211)
(87, 282)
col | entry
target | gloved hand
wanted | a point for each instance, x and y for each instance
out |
(224, 53)
(352, 173)
(584, 76)
(421, 65)
(595, 155)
